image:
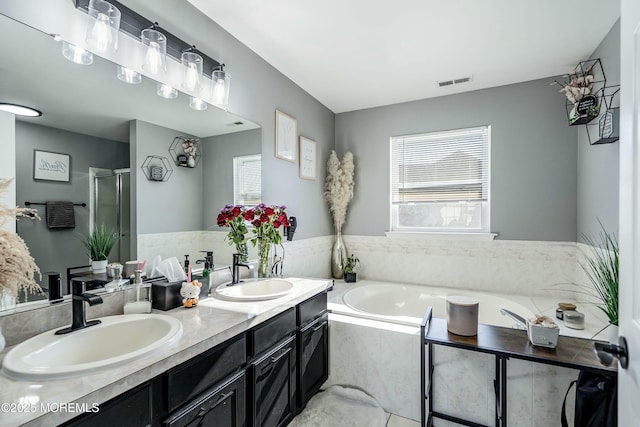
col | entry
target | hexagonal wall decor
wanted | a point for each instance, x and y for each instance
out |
(157, 168)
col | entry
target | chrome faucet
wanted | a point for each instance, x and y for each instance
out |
(235, 270)
(78, 298)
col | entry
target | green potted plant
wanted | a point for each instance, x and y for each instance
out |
(349, 266)
(601, 267)
(99, 244)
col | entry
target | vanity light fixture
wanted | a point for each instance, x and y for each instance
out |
(155, 57)
(76, 54)
(19, 110)
(192, 69)
(220, 81)
(197, 103)
(166, 91)
(129, 76)
(103, 26)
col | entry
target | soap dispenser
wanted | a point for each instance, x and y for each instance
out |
(137, 297)
(206, 272)
(186, 264)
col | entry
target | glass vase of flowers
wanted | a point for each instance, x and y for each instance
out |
(233, 217)
(266, 221)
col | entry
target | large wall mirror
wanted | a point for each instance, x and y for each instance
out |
(101, 126)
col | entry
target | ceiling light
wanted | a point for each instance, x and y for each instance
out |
(166, 91)
(19, 110)
(221, 81)
(76, 54)
(192, 66)
(155, 58)
(197, 103)
(129, 76)
(103, 26)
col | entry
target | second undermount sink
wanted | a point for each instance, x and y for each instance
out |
(255, 290)
(116, 340)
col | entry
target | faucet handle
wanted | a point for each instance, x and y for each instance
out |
(78, 286)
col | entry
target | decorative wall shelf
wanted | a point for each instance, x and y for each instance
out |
(157, 168)
(606, 129)
(584, 91)
(185, 151)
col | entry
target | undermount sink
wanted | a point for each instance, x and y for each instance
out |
(116, 340)
(255, 290)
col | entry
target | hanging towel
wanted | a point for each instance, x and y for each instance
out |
(60, 215)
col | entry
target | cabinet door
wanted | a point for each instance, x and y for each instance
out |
(225, 406)
(313, 359)
(274, 386)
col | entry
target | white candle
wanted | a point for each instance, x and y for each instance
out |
(138, 307)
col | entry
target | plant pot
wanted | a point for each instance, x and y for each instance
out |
(99, 266)
(613, 333)
(350, 277)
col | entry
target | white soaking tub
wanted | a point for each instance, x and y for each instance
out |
(406, 304)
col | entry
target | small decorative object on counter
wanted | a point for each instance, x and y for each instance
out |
(99, 244)
(349, 267)
(462, 315)
(190, 292)
(562, 307)
(573, 319)
(543, 331)
(138, 296)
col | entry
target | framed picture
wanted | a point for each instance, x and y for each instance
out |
(286, 135)
(48, 166)
(307, 158)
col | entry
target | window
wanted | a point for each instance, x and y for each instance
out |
(440, 181)
(247, 180)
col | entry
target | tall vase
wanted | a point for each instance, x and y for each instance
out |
(241, 248)
(263, 258)
(338, 255)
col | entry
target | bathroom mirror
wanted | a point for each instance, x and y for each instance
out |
(89, 116)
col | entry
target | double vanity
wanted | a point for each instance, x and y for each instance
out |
(242, 360)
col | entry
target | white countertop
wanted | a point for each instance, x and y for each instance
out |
(210, 323)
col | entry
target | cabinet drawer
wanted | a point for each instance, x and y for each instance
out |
(313, 359)
(266, 335)
(312, 308)
(273, 386)
(200, 373)
(224, 406)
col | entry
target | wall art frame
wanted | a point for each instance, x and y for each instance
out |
(286, 136)
(51, 166)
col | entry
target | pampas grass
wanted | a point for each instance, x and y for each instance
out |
(338, 186)
(17, 268)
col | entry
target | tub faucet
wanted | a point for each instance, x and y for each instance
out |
(78, 298)
(235, 270)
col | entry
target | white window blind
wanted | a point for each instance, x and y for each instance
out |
(247, 180)
(440, 181)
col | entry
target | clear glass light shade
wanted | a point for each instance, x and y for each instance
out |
(76, 54)
(220, 81)
(156, 55)
(103, 26)
(192, 70)
(129, 76)
(166, 91)
(197, 103)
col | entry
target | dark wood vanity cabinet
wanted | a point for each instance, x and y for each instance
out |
(260, 378)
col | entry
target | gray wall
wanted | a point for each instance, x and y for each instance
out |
(533, 157)
(163, 207)
(598, 165)
(218, 153)
(54, 250)
(257, 90)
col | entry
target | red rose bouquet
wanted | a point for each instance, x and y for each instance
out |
(233, 217)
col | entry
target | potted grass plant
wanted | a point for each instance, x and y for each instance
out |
(349, 267)
(99, 244)
(601, 268)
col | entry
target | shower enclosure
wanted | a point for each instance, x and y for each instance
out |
(111, 205)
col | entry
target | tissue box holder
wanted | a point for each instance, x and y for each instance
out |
(541, 336)
(165, 295)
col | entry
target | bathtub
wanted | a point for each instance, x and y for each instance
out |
(406, 304)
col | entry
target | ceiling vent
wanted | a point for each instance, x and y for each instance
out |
(455, 81)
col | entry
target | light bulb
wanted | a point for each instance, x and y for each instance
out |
(218, 92)
(192, 80)
(101, 33)
(197, 103)
(166, 91)
(154, 58)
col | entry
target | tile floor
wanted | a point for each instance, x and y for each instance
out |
(396, 421)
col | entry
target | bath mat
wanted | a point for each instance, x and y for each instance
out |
(341, 407)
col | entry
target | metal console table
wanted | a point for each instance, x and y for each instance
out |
(503, 343)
